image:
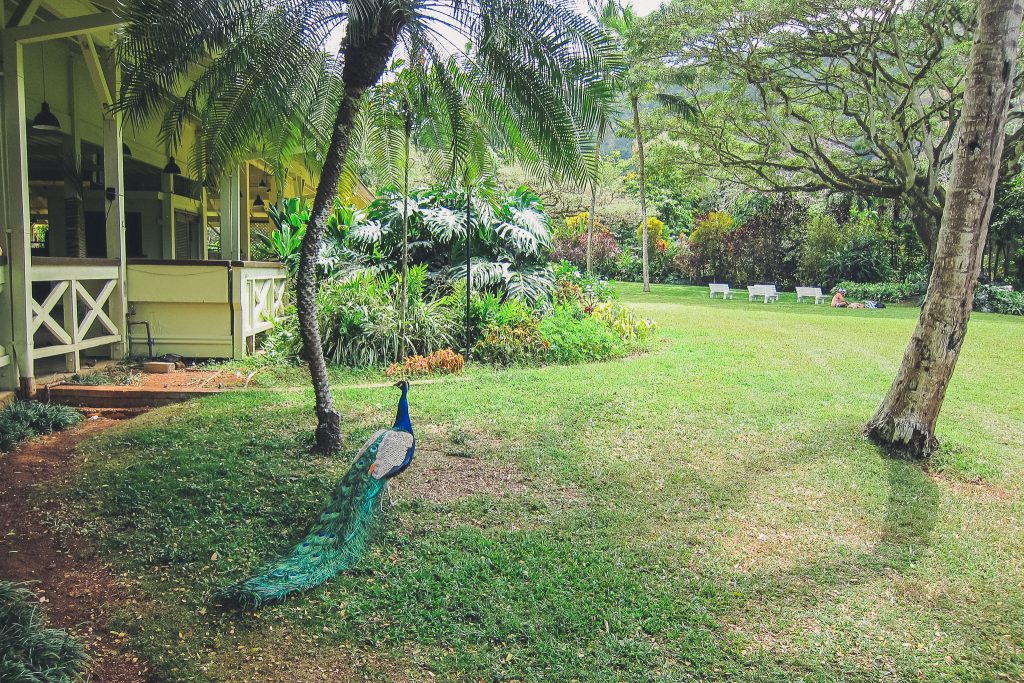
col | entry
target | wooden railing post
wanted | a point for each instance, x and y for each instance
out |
(113, 174)
(18, 319)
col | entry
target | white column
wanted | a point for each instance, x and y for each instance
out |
(16, 220)
(167, 215)
(231, 216)
(113, 181)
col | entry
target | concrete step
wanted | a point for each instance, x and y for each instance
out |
(122, 397)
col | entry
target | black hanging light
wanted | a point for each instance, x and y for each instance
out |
(45, 120)
(172, 167)
(258, 203)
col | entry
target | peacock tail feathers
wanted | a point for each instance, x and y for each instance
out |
(334, 544)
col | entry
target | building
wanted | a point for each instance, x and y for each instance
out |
(108, 246)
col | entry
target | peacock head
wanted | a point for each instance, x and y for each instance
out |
(402, 384)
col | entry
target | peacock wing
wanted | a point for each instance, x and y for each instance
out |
(393, 453)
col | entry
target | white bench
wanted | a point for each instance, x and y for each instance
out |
(810, 292)
(767, 291)
(720, 289)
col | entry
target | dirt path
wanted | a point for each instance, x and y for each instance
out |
(78, 594)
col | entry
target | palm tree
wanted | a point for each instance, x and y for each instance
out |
(637, 83)
(276, 79)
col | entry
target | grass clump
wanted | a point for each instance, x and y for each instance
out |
(30, 652)
(25, 419)
(120, 376)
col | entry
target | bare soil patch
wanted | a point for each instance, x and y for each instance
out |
(78, 594)
(441, 478)
(979, 490)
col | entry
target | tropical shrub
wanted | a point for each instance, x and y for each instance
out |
(765, 245)
(822, 236)
(290, 218)
(888, 292)
(488, 310)
(709, 248)
(862, 259)
(25, 419)
(591, 287)
(605, 251)
(29, 651)
(577, 225)
(510, 239)
(360, 321)
(657, 231)
(574, 337)
(989, 299)
(624, 322)
(443, 362)
(511, 344)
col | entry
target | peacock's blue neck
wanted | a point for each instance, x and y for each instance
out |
(402, 420)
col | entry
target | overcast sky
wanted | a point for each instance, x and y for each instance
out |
(644, 7)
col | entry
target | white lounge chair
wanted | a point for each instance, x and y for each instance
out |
(810, 292)
(720, 289)
(767, 291)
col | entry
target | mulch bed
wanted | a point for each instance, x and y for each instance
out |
(77, 594)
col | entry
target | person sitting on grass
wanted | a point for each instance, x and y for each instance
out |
(839, 301)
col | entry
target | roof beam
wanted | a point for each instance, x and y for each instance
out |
(95, 68)
(23, 13)
(62, 28)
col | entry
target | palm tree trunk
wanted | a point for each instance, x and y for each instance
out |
(590, 225)
(906, 419)
(364, 65)
(469, 268)
(645, 248)
(402, 349)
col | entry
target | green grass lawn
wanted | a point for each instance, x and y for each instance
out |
(707, 511)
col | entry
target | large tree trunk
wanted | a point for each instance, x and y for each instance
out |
(645, 248)
(364, 64)
(906, 419)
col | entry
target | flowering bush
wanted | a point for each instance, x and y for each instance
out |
(443, 362)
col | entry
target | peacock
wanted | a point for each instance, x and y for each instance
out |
(337, 541)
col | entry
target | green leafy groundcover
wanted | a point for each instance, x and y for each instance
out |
(25, 419)
(30, 652)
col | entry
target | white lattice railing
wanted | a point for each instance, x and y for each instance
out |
(74, 314)
(264, 296)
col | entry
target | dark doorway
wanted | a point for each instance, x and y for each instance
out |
(95, 234)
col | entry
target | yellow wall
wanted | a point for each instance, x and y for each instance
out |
(188, 308)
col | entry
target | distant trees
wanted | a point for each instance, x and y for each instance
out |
(862, 98)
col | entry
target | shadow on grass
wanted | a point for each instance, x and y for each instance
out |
(910, 515)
